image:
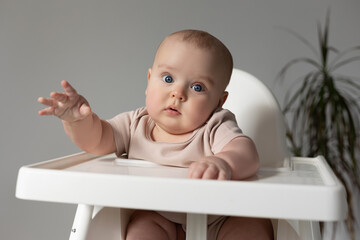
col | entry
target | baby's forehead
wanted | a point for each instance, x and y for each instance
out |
(200, 44)
(173, 42)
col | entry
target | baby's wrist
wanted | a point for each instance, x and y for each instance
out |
(77, 121)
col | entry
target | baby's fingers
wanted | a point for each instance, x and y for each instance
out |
(60, 97)
(196, 170)
(46, 101)
(46, 111)
(69, 90)
(84, 110)
(211, 172)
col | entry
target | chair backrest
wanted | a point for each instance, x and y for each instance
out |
(258, 115)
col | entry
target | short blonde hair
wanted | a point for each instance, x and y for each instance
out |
(205, 40)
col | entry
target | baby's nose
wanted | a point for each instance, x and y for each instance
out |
(179, 93)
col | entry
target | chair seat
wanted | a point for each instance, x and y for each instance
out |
(258, 115)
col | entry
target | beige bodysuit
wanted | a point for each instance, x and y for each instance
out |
(132, 134)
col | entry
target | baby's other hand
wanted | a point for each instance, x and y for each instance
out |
(68, 106)
(211, 167)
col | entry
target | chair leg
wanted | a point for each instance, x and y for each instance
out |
(81, 223)
(298, 230)
(196, 226)
(309, 230)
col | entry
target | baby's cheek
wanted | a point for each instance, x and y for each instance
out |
(151, 102)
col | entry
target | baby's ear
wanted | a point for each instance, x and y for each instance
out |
(149, 74)
(223, 98)
(148, 77)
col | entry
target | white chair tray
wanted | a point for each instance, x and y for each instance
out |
(308, 191)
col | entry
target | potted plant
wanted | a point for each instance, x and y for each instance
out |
(323, 112)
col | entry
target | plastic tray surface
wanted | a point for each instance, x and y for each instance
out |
(307, 191)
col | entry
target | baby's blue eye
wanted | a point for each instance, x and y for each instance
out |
(197, 88)
(167, 79)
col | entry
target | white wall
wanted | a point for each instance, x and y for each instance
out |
(105, 48)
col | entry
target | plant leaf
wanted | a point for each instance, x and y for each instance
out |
(344, 62)
(342, 54)
(303, 40)
(287, 66)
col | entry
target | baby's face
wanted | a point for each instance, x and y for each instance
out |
(185, 86)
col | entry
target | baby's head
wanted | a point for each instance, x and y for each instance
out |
(187, 81)
(206, 42)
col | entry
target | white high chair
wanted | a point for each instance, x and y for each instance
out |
(295, 193)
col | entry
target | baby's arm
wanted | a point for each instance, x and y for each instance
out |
(84, 128)
(237, 160)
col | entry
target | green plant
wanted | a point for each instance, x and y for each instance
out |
(323, 112)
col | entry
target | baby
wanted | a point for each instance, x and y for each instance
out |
(183, 124)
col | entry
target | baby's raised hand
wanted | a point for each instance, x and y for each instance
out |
(211, 167)
(68, 106)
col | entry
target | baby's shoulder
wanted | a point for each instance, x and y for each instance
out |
(221, 115)
(140, 112)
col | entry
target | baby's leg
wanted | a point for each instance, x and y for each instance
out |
(151, 225)
(246, 228)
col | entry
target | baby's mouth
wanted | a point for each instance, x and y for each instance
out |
(173, 110)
